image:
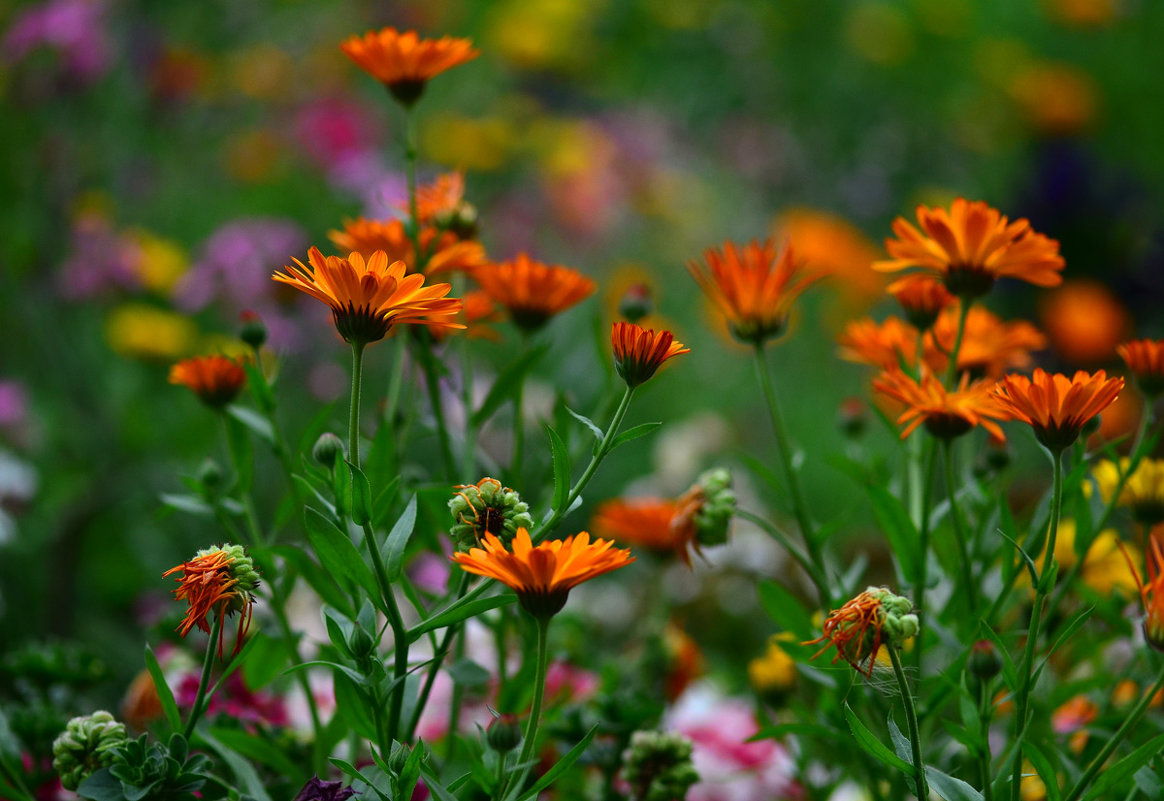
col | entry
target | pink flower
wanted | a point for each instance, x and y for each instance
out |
(74, 28)
(567, 683)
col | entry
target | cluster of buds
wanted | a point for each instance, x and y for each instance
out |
(658, 766)
(85, 746)
(486, 506)
(708, 507)
(858, 629)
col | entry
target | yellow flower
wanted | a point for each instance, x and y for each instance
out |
(773, 674)
(147, 332)
(1105, 568)
(1143, 490)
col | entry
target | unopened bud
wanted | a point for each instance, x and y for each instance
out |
(253, 332)
(636, 303)
(327, 449)
(852, 418)
(504, 734)
(984, 662)
(210, 476)
(85, 746)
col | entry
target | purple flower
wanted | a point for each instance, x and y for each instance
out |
(317, 789)
(99, 259)
(74, 28)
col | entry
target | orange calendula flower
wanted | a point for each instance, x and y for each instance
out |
(946, 414)
(753, 286)
(860, 627)
(543, 576)
(922, 298)
(1055, 406)
(652, 523)
(222, 580)
(368, 298)
(639, 352)
(440, 199)
(403, 61)
(216, 380)
(1145, 358)
(971, 246)
(441, 251)
(990, 346)
(885, 345)
(1152, 593)
(533, 292)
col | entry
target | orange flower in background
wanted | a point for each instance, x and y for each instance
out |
(1055, 406)
(685, 660)
(971, 246)
(1145, 358)
(141, 705)
(533, 292)
(403, 61)
(543, 576)
(1071, 718)
(885, 345)
(222, 580)
(216, 380)
(922, 298)
(945, 413)
(639, 352)
(439, 199)
(990, 346)
(1084, 321)
(441, 251)
(653, 523)
(837, 248)
(368, 298)
(753, 286)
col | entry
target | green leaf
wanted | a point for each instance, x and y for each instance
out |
(874, 747)
(243, 771)
(894, 520)
(1073, 626)
(1044, 768)
(165, 694)
(361, 495)
(101, 786)
(191, 504)
(262, 750)
(506, 384)
(242, 453)
(410, 773)
(586, 421)
(561, 459)
(641, 430)
(1114, 775)
(337, 553)
(901, 745)
(561, 766)
(458, 612)
(785, 609)
(468, 673)
(260, 387)
(317, 578)
(267, 658)
(1149, 783)
(950, 788)
(260, 426)
(393, 553)
(1008, 669)
(1030, 563)
(354, 705)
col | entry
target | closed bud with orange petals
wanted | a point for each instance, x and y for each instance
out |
(216, 380)
(403, 61)
(639, 352)
(922, 298)
(1055, 406)
(1145, 358)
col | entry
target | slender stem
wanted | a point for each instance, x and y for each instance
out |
(1036, 618)
(531, 729)
(200, 699)
(518, 432)
(399, 634)
(919, 771)
(799, 507)
(432, 383)
(809, 568)
(500, 786)
(1113, 742)
(354, 409)
(410, 171)
(438, 658)
(469, 464)
(984, 714)
(927, 493)
(952, 368)
(959, 531)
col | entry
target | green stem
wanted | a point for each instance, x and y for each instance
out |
(438, 658)
(806, 565)
(959, 531)
(432, 383)
(531, 729)
(984, 715)
(410, 171)
(923, 567)
(1113, 742)
(1049, 567)
(399, 636)
(354, 408)
(200, 699)
(799, 507)
(919, 771)
(498, 792)
(952, 368)
(518, 432)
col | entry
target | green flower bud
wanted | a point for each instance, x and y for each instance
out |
(210, 476)
(327, 449)
(486, 506)
(658, 767)
(85, 746)
(462, 220)
(984, 662)
(717, 509)
(253, 332)
(504, 734)
(636, 303)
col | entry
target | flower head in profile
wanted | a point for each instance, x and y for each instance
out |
(543, 576)
(216, 380)
(885, 345)
(1142, 491)
(403, 61)
(441, 251)
(754, 286)
(368, 298)
(922, 298)
(858, 629)
(990, 346)
(971, 246)
(1145, 358)
(639, 352)
(533, 292)
(1055, 406)
(222, 580)
(437, 203)
(946, 414)
(1152, 593)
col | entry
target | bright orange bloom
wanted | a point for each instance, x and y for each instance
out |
(971, 246)
(753, 286)
(946, 413)
(1152, 592)
(216, 380)
(990, 346)
(885, 345)
(922, 298)
(217, 579)
(639, 352)
(1057, 407)
(441, 251)
(1145, 358)
(533, 292)
(543, 576)
(403, 61)
(439, 199)
(367, 299)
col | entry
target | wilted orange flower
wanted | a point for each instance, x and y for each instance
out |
(440, 198)
(639, 352)
(403, 61)
(885, 345)
(1145, 358)
(543, 576)
(753, 286)
(922, 298)
(220, 580)
(971, 246)
(1057, 407)
(990, 346)
(441, 251)
(1085, 321)
(367, 299)
(533, 292)
(216, 380)
(860, 627)
(945, 413)
(1152, 592)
